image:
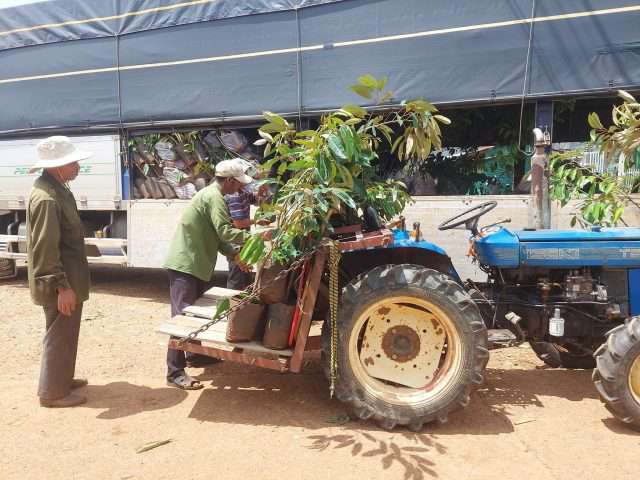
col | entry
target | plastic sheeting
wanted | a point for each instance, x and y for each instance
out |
(171, 65)
(48, 21)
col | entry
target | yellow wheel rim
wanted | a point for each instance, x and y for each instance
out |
(403, 336)
(634, 379)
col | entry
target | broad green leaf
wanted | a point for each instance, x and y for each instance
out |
(442, 119)
(626, 96)
(323, 168)
(222, 306)
(336, 147)
(265, 135)
(275, 119)
(368, 81)
(344, 198)
(355, 110)
(361, 90)
(594, 121)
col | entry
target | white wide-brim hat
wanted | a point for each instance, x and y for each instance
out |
(234, 168)
(57, 151)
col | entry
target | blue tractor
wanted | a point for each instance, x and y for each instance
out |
(412, 339)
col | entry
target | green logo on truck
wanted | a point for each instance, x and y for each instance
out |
(20, 171)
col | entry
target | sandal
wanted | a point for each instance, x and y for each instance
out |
(184, 382)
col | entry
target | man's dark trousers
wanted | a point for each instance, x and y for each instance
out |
(184, 290)
(59, 350)
(238, 279)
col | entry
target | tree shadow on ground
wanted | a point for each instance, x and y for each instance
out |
(123, 399)
(410, 450)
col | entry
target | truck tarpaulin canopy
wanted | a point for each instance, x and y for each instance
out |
(73, 64)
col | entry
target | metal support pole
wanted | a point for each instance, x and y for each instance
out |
(540, 202)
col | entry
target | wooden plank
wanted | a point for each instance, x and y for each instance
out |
(217, 338)
(106, 242)
(308, 303)
(204, 308)
(196, 322)
(279, 364)
(219, 292)
(109, 259)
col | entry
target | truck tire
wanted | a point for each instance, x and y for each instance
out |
(617, 373)
(411, 346)
(7, 268)
(562, 356)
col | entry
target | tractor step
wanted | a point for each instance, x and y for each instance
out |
(501, 338)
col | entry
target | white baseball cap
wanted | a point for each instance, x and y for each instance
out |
(57, 151)
(234, 168)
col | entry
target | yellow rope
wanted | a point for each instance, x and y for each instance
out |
(334, 293)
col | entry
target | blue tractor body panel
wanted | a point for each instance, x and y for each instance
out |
(401, 238)
(634, 291)
(607, 247)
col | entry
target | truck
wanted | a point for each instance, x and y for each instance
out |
(105, 73)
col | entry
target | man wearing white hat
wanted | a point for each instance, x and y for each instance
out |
(57, 267)
(204, 230)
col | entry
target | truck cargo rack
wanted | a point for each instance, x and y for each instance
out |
(11, 250)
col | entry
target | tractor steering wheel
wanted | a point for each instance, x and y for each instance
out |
(469, 221)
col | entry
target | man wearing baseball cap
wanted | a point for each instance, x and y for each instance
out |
(57, 267)
(204, 230)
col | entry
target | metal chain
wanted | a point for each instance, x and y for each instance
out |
(334, 292)
(247, 299)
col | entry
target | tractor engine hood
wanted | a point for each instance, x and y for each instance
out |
(616, 247)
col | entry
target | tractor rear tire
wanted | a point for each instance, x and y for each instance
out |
(404, 303)
(617, 373)
(561, 356)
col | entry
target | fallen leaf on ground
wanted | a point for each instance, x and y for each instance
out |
(523, 420)
(151, 445)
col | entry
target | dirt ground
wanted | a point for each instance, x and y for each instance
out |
(525, 422)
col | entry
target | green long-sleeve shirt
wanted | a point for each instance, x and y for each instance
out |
(204, 230)
(56, 255)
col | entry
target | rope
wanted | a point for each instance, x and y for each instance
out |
(334, 294)
(526, 75)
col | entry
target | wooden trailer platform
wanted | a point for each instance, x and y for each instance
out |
(212, 342)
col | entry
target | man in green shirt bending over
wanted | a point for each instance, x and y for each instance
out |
(204, 230)
(58, 268)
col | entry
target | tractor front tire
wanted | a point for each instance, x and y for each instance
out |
(617, 373)
(411, 346)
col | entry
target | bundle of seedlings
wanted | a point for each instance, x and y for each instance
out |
(179, 164)
(328, 177)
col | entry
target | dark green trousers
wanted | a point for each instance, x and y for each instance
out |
(59, 350)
